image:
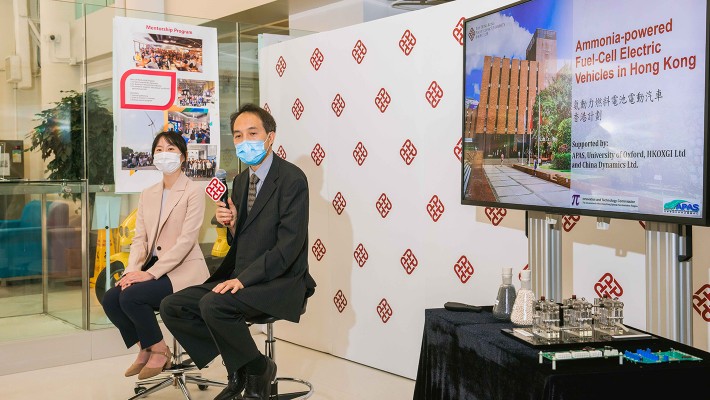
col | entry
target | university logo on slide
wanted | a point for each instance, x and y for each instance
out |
(435, 208)
(316, 59)
(407, 42)
(297, 109)
(383, 205)
(317, 154)
(434, 94)
(408, 152)
(360, 153)
(382, 100)
(281, 152)
(701, 302)
(359, 51)
(458, 31)
(496, 215)
(384, 310)
(338, 105)
(340, 301)
(569, 221)
(267, 108)
(458, 149)
(409, 261)
(318, 249)
(463, 269)
(339, 203)
(471, 33)
(360, 255)
(280, 66)
(608, 286)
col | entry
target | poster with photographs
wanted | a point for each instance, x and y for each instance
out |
(165, 79)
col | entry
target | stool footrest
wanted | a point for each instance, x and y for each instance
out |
(301, 395)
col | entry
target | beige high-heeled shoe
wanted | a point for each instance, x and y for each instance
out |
(136, 367)
(149, 372)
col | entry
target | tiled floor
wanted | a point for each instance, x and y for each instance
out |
(332, 377)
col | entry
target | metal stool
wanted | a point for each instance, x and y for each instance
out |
(177, 376)
(269, 351)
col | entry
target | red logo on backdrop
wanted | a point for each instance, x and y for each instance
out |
(608, 286)
(383, 205)
(318, 249)
(359, 51)
(471, 33)
(408, 152)
(569, 221)
(435, 208)
(463, 269)
(360, 255)
(297, 109)
(458, 149)
(496, 215)
(317, 154)
(339, 203)
(434, 94)
(340, 301)
(407, 42)
(316, 59)
(409, 261)
(458, 31)
(384, 310)
(215, 189)
(360, 153)
(701, 302)
(643, 224)
(382, 100)
(267, 108)
(338, 105)
(281, 66)
(281, 152)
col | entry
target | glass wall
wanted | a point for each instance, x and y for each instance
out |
(56, 157)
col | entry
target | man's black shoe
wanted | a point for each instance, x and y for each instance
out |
(235, 386)
(258, 387)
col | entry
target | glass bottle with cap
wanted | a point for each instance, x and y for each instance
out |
(503, 306)
(522, 314)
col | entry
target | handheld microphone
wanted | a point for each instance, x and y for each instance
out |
(222, 176)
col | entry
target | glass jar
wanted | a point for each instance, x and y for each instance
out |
(522, 314)
(503, 306)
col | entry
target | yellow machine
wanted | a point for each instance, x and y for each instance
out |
(126, 232)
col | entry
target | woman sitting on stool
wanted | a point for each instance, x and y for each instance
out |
(165, 256)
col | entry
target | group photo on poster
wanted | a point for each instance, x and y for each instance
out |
(603, 117)
(168, 83)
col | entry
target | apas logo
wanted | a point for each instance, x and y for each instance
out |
(681, 207)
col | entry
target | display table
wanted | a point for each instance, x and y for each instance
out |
(466, 356)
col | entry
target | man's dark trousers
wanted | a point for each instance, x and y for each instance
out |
(207, 324)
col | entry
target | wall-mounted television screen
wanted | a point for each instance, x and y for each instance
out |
(588, 107)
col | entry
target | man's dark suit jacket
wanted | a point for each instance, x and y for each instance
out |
(269, 254)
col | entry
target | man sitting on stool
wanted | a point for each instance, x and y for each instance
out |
(265, 270)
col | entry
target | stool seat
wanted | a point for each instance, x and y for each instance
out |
(262, 319)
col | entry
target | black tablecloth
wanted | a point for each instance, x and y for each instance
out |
(466, 356)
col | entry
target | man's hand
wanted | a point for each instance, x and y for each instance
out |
(134, 277)
(226, 214)
(230, 285)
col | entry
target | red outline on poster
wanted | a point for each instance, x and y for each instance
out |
(173, 89)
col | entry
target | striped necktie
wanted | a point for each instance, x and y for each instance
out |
(253, 180)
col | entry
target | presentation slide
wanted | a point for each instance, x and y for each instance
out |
(593, 106)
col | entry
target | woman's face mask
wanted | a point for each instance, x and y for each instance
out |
(167, 162)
